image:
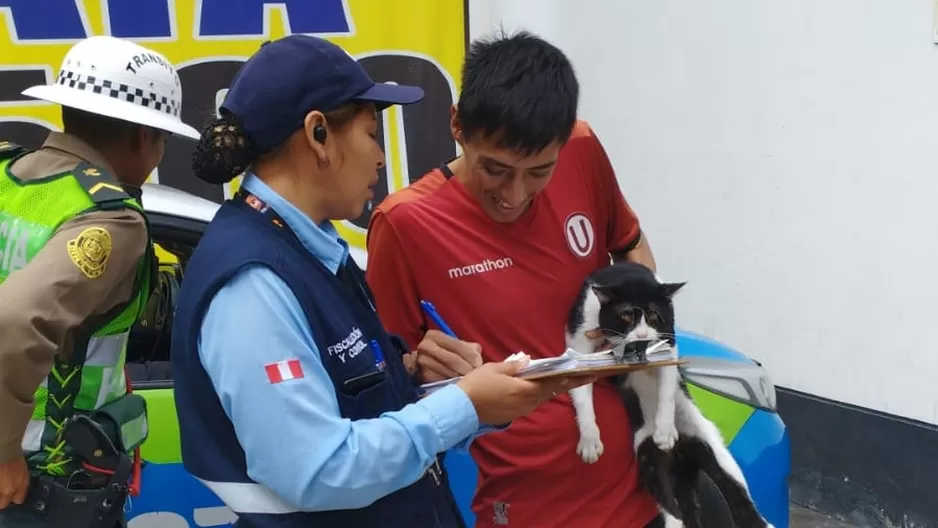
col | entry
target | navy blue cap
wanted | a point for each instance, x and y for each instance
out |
(290, 77)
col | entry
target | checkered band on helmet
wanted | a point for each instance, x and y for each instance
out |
(119, 91)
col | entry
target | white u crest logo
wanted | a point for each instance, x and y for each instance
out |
(581, 238)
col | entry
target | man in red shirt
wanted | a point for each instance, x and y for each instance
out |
(500, 240)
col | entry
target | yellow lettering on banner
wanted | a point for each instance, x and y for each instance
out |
(90, 251)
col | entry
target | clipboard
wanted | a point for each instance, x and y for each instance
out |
(600, 364)
(603, 371)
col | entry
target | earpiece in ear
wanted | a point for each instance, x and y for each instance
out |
(319, 134)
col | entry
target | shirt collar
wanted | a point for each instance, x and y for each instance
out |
(76, 147)
(321, 241)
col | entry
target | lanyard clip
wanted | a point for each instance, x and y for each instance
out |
(435, 471)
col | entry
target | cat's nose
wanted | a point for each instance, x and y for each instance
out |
(641, 334)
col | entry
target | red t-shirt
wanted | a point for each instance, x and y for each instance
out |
(510, 287)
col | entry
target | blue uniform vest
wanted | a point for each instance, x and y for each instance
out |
(239, 236)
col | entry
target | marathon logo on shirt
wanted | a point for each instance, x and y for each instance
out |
(485, 266)
(348, 348)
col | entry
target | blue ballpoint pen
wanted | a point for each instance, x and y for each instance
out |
(431, 311)
(379, 356)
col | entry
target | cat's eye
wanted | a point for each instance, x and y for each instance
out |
(627, 317)
(654, 317)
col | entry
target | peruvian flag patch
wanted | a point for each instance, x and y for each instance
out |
(285, 370)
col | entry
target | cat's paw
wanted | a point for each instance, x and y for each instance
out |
(590, 447)
(665, 437)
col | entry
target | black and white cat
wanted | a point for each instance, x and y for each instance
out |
(673, 441)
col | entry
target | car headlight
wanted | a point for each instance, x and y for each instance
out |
(747, 383)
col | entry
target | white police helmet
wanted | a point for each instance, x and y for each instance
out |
(116, 78)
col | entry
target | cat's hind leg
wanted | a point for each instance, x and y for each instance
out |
(686, 477)
(654, 474)
(702, 444)
(640, 396)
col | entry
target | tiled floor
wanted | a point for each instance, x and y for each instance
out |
(804, 518)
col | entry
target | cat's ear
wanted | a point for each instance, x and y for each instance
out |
(670, 288)
(600, 293)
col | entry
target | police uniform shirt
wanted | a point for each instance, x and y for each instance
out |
(43, 304)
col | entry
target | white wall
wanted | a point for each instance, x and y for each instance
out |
(783, 157)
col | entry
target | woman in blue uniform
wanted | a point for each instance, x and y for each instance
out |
(294, 405)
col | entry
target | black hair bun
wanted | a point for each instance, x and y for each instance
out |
(223, 151)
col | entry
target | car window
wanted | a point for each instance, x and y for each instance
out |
(148, 361)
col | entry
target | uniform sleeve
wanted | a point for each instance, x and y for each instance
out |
(392, 282)
(623, 232)
(295, 441)
(54, 294)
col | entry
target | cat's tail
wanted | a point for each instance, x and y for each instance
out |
(703, 444)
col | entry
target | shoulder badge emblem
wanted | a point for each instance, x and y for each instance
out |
(90, 251)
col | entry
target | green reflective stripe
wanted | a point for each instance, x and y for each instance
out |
(100, 385)
(106, 351)
(728, 415)
(107, 385)
(32, 440)
(91, 380)
(20, 241)
(134, 431)
(116, 387)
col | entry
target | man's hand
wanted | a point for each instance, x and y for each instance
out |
(597, 333)
(499, 397)
(440, 357)
(14, 481)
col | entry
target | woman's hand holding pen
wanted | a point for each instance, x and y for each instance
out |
(497, 395)
(440, 357)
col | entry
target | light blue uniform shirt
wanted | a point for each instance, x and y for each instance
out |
(296, 442)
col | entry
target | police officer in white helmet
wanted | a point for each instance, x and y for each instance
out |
(75, 273)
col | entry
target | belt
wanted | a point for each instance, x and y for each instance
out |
(89, 498)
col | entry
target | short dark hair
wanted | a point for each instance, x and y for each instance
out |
(520, 89)
(95, 129)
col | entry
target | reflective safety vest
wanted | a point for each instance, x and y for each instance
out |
(92, 379)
